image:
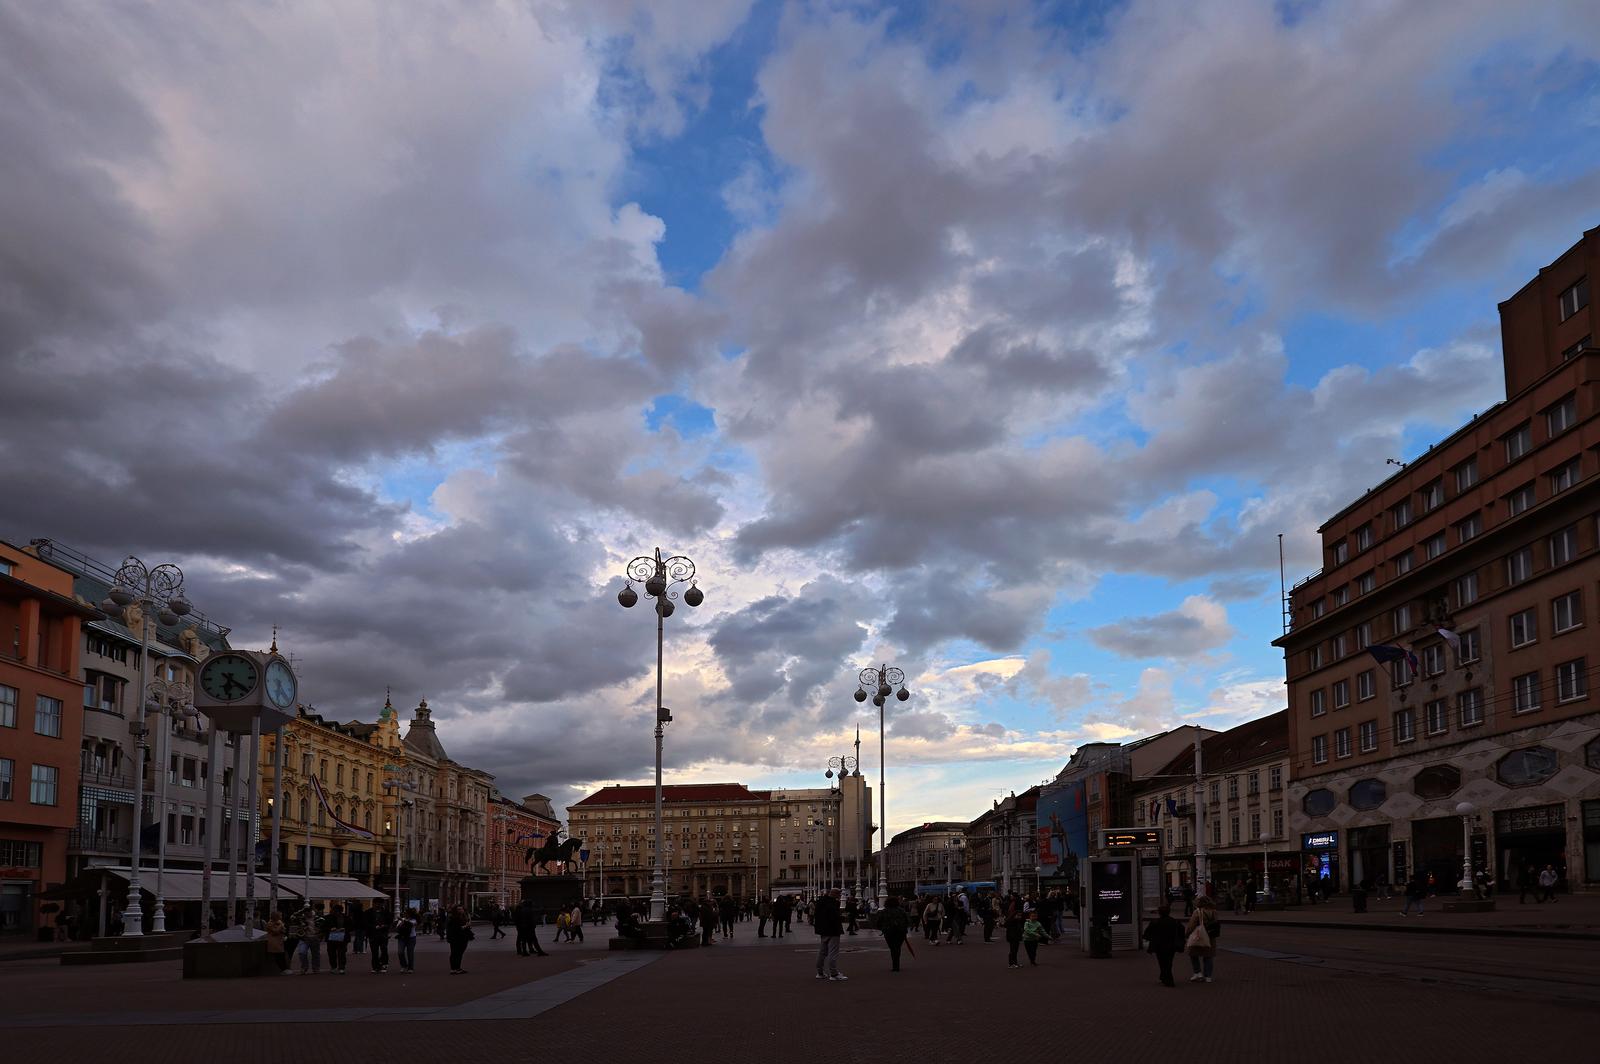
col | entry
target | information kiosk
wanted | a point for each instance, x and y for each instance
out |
(1111, 899)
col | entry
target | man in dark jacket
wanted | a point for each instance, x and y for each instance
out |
(828, 924)
(377, 934)
(1165, 936)
(893, 921)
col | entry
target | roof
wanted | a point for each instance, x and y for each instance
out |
(91, 582)
(1250, 742)
(956, 826)
(421, 737)
(681, 792)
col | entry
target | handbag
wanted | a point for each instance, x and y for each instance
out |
(1198, 939)
(336, 936)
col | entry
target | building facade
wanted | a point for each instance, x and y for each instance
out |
(1002, 844)
(1480, 559)
(512, 829)
(41, 727)
(820, 836)
(446, 852)
(926, 855)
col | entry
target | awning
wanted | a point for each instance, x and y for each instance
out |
(184, 884)
(327, 888)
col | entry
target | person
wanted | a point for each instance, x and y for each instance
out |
(1033, 933)
(377, 935)
(441, 921)
(1416, 894)
(850, 911)
(458, 932)
(1015, 925)
(1188, 899)
(829, 925)
(1237, 894)
(628, 924)
(959, 914)
(932, 917)
(308, 929)
(405, 940)
(496, 918)
(764, 914)
(1200, 939)
(708, 921)
(895, 923)
(276, 933)
(1526, 882)
(782, 913)
(358, 928)
(986, 910)
(680, 929)
(1165, 937)
(337, 935)
(575, 922)
(727, 911)
(1547, 884)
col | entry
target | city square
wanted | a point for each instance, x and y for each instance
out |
(793, 529)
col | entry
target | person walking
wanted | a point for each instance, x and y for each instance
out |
(1201, 934)
(1165, 937)
(405, 940)
(851, 909)
(1526, 884)
(763, 914)
(1016, 922)
(458, 932)
(932, 917)
(782, 911)
(960, 914)
(338, 938)
(496, 919)
(827, 922)
(989, 914)
(1416, 894)
(575, 922)
(308, 930)
(1547, 884)
(894, 922)
(1188, 900)
(1033, 933)
(377, 934)
(441, 921)
(358, 928)
(708, 921)
(277, 932)
(728, 911)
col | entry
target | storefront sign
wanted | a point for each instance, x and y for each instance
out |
(1326, 840)
(1538, 818)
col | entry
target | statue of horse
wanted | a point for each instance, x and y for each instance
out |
(555, 852)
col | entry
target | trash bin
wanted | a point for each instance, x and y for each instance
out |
(1100, 937)
(1358, 898)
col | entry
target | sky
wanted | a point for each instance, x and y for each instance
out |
(996, 341)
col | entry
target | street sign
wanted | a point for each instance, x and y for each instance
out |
(1117, 838)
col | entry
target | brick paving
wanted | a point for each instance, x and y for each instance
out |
(1569, 914)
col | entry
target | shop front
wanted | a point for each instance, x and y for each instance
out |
(1369, 856)
(1530, 838)
(1436, 852)
(1319, 864)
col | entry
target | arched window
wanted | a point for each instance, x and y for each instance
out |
(366, 821)
(304, 817)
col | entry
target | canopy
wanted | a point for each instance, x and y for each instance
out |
(184, 884)
(327, 888)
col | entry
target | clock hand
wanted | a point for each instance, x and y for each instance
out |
(229, 682)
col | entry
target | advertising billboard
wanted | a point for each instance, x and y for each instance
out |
(1063, 820)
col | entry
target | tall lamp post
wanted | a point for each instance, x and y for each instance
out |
(1468, 813)
(166, 700)
(844, 766)
(500, 867)
(885, 680)
(160, 590)
(660, 576)
(397, 784)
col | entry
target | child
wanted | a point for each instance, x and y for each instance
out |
(1032, 935)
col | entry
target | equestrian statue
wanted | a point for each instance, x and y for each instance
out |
(554, 851)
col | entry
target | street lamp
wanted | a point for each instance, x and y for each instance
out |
(885, 680)
(844, 766)
(159, 589)
(501, 818)
(166, 699)
(1468, 813)
(659, 576)
(396, 784)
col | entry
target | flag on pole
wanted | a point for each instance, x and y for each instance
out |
(343, 825)
(1450, 637)
(1385, 653)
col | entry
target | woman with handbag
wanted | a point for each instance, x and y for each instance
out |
(458, 932)
(338, 935)
(1202, 930)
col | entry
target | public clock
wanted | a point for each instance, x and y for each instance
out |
(229, 677)
(281, 685)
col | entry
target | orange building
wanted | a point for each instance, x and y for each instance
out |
(41, 724)
(1482, 559)
(512, 829)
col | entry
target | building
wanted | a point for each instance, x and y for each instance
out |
(821, 835)
(512, 829)
(41, 725)
(350, 761)
(1244, 772)
(926, 855)
(446, 851)
(1002, 844)
(1479, 558)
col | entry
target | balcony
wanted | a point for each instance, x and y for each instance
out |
(119, 778)
(87, 840)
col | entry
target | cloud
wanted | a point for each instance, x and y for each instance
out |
(1197, 626)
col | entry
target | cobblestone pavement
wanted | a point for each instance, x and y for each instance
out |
(1280, 994)
(1569, 913)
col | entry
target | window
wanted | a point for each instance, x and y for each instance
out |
(1562, 416)
(1316, 608)
(1369, 736)
(1216, 792)
(1433, 659)
(1517, 442)
(1524, 628)
(1405, 726)
(1436, 781)
(1216, 833)
(47, 716)
(1368, 794)
(1314, 657)
(8, 706)
(1433, 546)
(1365, 583)
(1341, 552)
(1341, 743)
(1564, 546)
(1466, 475)
(1525, 692)
(1519, 566)
(1317, 710)
(1341, 694)
(1520, 500)
(42, 790)
(1277, 823)
(1402, 619)
(1571, 684)
(1341, 594)
(1366, 685)
(1432, 496)
(1233, 829)
(1469, 528)
(1469, 707)
(1564, 476)
(7, 770)
(1233, 787)
(1437, 716)
(1574, 299)
(1400, 514)
(1572, 350)
(1255, 825)
(1275, 778)
(1364, 537)
(1471, 646)
(1402, 563)
(1363, 635)
(1466, 589)
(1341, 645)
(1319, 749)
(1319, 802)
(1253, 783)
(1566, 612)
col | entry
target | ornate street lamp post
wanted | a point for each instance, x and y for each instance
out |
(660, 576)
(844, 766)
(885, 680)
(158, 589)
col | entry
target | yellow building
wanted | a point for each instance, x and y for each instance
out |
(349, 760)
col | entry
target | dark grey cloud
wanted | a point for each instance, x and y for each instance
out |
(1197, 626)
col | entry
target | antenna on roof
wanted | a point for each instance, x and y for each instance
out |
(1394, 462)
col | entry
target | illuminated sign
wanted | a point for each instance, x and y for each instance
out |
(1326, 840)
(1114, 838)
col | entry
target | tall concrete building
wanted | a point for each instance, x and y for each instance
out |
(1480, 559)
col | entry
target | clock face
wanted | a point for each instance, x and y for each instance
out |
(229, 677)
(281, 684)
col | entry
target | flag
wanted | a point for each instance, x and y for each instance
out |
(1450, 637)
(1172, 807)
(1155, 809)
(343, 825)
(1385, 653)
